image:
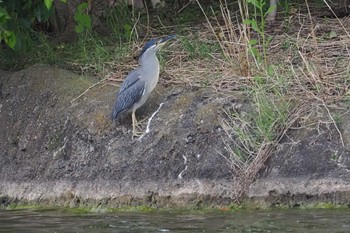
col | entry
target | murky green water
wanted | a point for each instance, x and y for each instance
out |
(308, 221)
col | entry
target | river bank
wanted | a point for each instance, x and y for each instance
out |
(59, 148)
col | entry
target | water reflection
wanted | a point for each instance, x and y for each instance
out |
(311, 221)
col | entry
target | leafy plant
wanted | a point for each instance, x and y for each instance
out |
(17, 19)
(197, 48)
(254, 130)
(262, 123)
(82, 19)
(120, 20)
(48, 3)
(6, 35)
(258, 23)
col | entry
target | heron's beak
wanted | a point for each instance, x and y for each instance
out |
(165, 39)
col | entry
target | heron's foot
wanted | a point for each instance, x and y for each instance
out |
(136, 129)
(141, 123)
(136, 134)
(139, 127)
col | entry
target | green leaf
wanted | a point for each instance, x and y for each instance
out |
(271, 8)
(254, 52)
(253, 23)
(82, 7)
(332, 34)
(3, 16)
(255, 26)
(79, 28)
(254, 3)
(84, 20)
(270, 70)
(269, 39)
(87, 21)
(248, 21)
(10, 39)
(258, 79)
(252, 42)
(48, 3)
(127, 27)
(64, 1)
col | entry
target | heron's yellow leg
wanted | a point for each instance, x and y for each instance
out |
(142, 122)
(135, 124)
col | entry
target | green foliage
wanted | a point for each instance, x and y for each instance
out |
(120, 20)
(48, 3)
(285, 6)
(8, 36)
(252, 45)
(260, 125)
(92, 54)
(17, 19)
(82, 19)
(271, 113)
(257, 22)
(198, 49)
(189, 15)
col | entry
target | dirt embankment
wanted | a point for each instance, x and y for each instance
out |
(58, 149)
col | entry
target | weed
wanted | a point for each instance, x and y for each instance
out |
(334, 157)
(197, 49)
(17, 19)
(254, 131)
(189, 15)
(45, 52)
(82, 19)
(258, 23)
(121, 20)
(95, 55)
(229, 41)
(337, 117)
(258, 125)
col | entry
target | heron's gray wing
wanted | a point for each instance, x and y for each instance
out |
(130, 79)
(130, 93)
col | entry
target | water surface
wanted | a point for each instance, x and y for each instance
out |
(58, 220)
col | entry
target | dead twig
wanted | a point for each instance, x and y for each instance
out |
(88, 89)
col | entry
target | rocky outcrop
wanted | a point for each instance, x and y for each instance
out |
(59, 147)
(56, 150)
(310, 166)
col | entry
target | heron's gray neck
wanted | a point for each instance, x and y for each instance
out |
(150, 64)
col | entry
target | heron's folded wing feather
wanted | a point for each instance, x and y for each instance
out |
(130, 93)
(130, 80)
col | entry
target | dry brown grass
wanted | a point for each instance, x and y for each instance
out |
(319, 65)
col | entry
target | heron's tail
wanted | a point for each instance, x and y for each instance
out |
(115, 113)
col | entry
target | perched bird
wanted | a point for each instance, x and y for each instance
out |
(140, 82)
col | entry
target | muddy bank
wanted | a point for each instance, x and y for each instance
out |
(58, 149)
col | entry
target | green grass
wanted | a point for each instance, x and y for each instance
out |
(95, 55)
(243, 206)
(197, 49)
(91, 54)
(253, 128)
(121, 22)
